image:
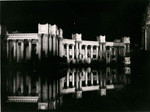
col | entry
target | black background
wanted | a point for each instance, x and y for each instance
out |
(113, 18)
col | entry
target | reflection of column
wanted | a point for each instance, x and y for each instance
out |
(146, 38)
(54, 89)
(76, 80)
(14, 50)
(91, 51)
(97, 78)
(17, 80)
(39, 87)
(85, 52)
(30, 48)
(67, 48)
(22, 84)
(68, 79)
(46, 90)
(50, 91)
(14, 85)
(86, 78)
(72, 52)
(101, 79)
(73, 78)
(128, 48)
(29, 79)
(80, 81)
(124, 50)
(91, 78)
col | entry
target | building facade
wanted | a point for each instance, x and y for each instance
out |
(49, 41)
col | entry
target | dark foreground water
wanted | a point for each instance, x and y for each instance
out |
(102, 89)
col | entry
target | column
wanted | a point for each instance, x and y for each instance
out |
(22, 49)
(54, 45)
(50, 43)
(110, 53)
(60, 47)
(85, 52)
(39, 47)
(80, 52)
(62, 50)
(14, 50)
(67, 48)
(104, 50)
(46, 45)
(18, 52)
(76, 50)
(91, 78)
(7, 48)
(30, 49)
(100, 51)
(96, 52)
(57, 45)
(91, 51)
(72, 52)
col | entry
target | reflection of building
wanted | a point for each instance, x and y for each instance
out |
(146, 30)
(49, 41)
(29, 87)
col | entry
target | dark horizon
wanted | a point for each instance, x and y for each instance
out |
(113, 18)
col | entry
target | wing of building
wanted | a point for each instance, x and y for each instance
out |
(49, 41)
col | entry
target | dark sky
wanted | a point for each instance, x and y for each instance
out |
(113, 18)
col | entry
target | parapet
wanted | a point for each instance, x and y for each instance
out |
(43, 28)
(77, 37)
(50, 29)
(101, 38)
(126, 40)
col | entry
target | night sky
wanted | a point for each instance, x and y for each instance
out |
(113, 18)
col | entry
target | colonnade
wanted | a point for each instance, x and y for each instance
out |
(19, 50)
(81, 52)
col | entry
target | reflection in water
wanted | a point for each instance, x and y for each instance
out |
(30, 87)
